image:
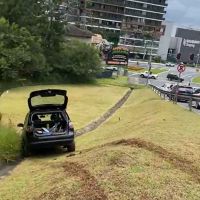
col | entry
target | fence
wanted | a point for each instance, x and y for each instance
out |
(175, 97)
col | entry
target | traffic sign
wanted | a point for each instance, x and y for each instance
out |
(181, 68)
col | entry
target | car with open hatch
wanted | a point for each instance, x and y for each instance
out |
(47, 124)
(149, 75)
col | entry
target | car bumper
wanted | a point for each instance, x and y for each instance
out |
(50, 141)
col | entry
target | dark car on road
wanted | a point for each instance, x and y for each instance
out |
(47, 123)
(174, 77)
(181, 92)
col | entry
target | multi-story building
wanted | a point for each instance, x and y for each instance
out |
(137, 22)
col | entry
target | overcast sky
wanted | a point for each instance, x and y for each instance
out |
(184, 12)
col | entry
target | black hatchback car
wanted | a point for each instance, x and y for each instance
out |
(47, 123)
(174, 77)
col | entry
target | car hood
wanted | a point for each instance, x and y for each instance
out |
(47, 99)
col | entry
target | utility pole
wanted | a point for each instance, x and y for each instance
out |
(150, 60)
(145, 49)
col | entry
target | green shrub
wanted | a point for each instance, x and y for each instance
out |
(10, 144)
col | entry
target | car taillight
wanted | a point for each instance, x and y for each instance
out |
(71, 126)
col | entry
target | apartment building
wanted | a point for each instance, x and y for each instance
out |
(138, 22)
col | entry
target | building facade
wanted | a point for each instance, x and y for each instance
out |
(137, 22)
(180, 40)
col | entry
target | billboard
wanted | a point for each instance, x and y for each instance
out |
(118, 56)
(190, 43)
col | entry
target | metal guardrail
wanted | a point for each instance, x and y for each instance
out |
(174, 97)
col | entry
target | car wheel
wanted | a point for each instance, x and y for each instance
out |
(142, 76)
(71, 147)
(153, 77)
(25, 148)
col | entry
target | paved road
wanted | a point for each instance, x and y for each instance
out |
(188, 75)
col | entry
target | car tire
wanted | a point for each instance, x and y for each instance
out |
(142, 76)
(71, 147)
(25, 148)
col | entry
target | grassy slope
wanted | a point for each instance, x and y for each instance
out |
(162, 164)
(86, 102)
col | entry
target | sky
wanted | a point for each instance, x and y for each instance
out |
(184, 12)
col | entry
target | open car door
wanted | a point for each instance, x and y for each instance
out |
(47, 99)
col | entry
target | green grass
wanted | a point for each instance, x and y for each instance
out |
(196, 80)
(158, 70)
(162, 163)
(118, 81)
(10, 144)
(154, 70)
(86, 102)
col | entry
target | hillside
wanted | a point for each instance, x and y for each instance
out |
(150, 149)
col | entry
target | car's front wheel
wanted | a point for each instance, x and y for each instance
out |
(71, 147)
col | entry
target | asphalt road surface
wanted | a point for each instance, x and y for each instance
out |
(188, 75)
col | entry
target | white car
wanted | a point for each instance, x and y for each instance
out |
(147, 74)
(113, 68)
(170, 64)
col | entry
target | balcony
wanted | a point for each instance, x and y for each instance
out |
(160, 3)
(146, 7)
(109, 16)
(110, 2)
(144, 14)
(105, 8)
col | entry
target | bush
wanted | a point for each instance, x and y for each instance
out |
(10, 144)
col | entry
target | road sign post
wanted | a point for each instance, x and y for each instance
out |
(181, 68)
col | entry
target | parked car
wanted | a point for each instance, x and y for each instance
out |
(146, 74)
(170, 64)
(182, 90)
(174, 77)
(47, 123)
(196, 92)
(113, 68)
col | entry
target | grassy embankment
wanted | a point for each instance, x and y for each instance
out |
(86, 102)
(149, 149)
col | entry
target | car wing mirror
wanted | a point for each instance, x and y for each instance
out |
(20, 125)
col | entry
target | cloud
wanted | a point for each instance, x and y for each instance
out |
(184, 12)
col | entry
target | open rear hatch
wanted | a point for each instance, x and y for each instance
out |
(48, 99)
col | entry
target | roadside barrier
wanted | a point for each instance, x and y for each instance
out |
(167, 95)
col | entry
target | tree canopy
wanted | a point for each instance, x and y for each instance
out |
(33, 45)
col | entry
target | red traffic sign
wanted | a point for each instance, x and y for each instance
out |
(181, 68)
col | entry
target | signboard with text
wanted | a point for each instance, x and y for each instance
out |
(118, 56)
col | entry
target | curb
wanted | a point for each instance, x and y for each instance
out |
(96, 123)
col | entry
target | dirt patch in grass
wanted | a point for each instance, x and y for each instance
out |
(177, 161)
(89, 189)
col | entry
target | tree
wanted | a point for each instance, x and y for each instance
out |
(79, 61)
(21, 54)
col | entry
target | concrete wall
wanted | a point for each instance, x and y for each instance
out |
(165, 40)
